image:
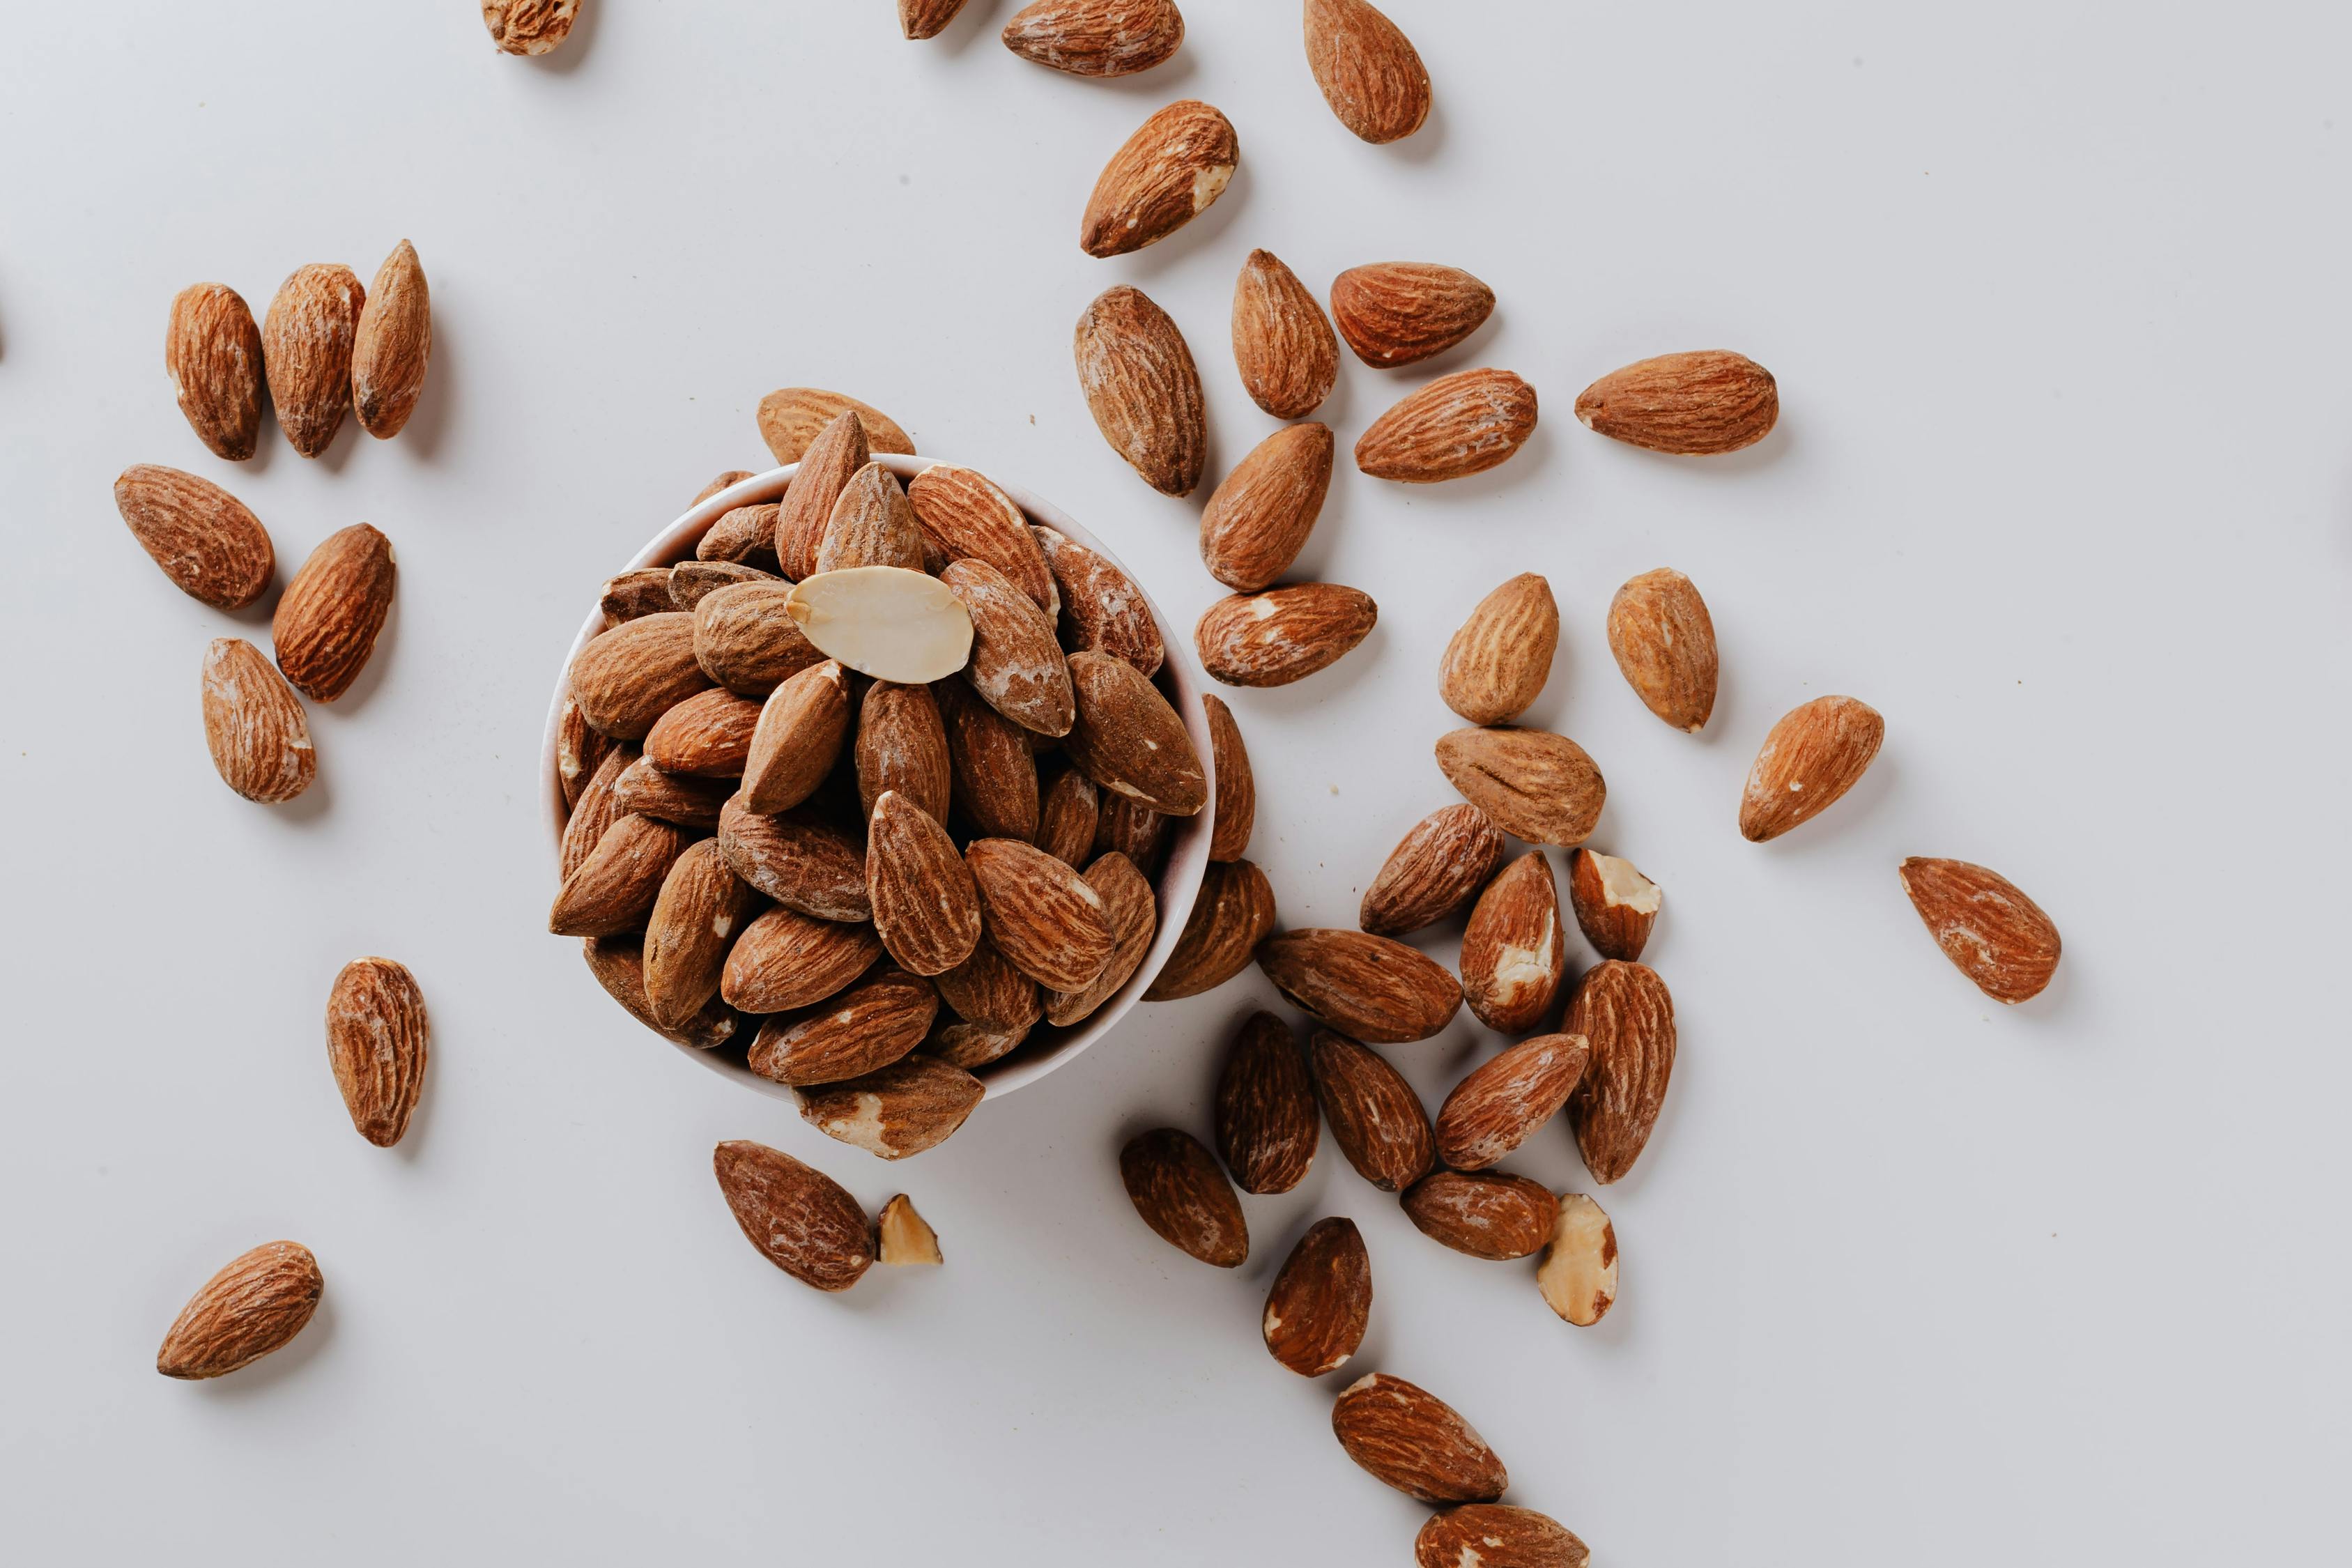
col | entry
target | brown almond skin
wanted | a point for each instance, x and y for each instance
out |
(1016, 665)
(861, 1030)
(1663, 641)
(614, 888)
(529, 27)
(801, 862)
(205, 539)
(1068, 816)
(638, 592)
(1283, 343)
(1369, 70)
(1230, 920)
(1506, 1098)
(254, 726)
(1364, 986)
(1236, 785)
(1401, 313)
(1433, 872)
(1096, 38)
(915, 1103)
(1267, 1121)
(1102, 609)
(986, 990)
(1321, 1301)
(1048, 921)
(805, 514)
(1483, 1214)
(1175, 164)
(1537, 786)
(1283, 635)
(628, 678)
(797, 739)
(618, 963)
(796, 1217)
(255, 1305)
(902, 744)
(746, 641)
(1496, 1535)
(1623, 1009)
(377, 1038)
(745, 535)
(964, 516)
(212, 351)
(306, 349)
(599, 806)
(690, 583)
(1143, 389)
(1375, 1119)
(920, 19)
(1182, 1194)
(994, 772)
(785, 959)
(579, 752)
(1615, 930)
(1813, 756)
(393, 343)
(1986, 925)
(1694, 404)
(873, 524)
(702, 907)
(1497, 665)
(328, 619)
(972, 1045)
(709, 736)
(1407, 1437)
(1259, 518)
(926, 905)
(1515, 949)
(1131, 909)
(1135, 831)
(1457, 425)
(790, 417)
(727, 480)
(1128, 739)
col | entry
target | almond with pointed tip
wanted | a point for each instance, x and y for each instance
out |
(1364, 986)
(327, 620)
(254, 725)
(797, 739)
(1515, 949)
(1259, 518)
(674, 797)
(1397, 313)
(1496, 1535)
(986, 990)
(1102, 609)
(393, 343)
(884, 621)
(211, 350)
(914, 1104)
(1615, 904)
(253, 1305)
(1068, 816)
(1626, 1013)
(1991, 930)
(1320, 1301)
(1699, 404)
(625, 679)
(801, 863)
(791, 417)
(1495, 666)
(727, 480)
(1370, 74)
(926, 905)
(1231, 917)
(902, 744)
(639, 591)
(1283, 343)
(1433, 872)
(1177, 1188)
(1133, 830)
(1813, 756)
(1016, 665)
(1577, 1271)
(207, 542)
(860, 1030)
(972, 1046)
(1096, 38)
(1537, 786)
(579, 752)
(1131, 909)
(529, 27)
(1506, 1098)
(1282, 634)
(832, 460)
(745, 638)
(964, 516)
(1236, 786)
(873, 524)
(708, 735)
(690, 581)
(1128, 739)
(1482, 1214)
(1407, 1437)
(618, 963)
(799, 1218)
(1376, 1118)
(920, 19)
(1048, 921)
(377, 1038)
(1665, 643)
(598, 808)
(1176, 164)
(305, 349)
(702, 907)
(906, 1238)
(1143, 389)
(1267, 1121)
(1457, 425)
(614, 888)
(786, 959)
(993, 771)
(744, 535)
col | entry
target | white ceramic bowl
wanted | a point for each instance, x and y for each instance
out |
(1187, 853)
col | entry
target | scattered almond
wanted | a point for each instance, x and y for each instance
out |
(1577, 1272)
(255, 726)
(376, 1039)
(206, 541)
(1236, 786)
(1515, 950)
(791, 417)
(1506, 1098)
(1997, 936)
(1495, 1535)
(1369, 70)
(1433, 872)
(328, 619)
(1283, 343)
(799, 1218)
(1361, 984)
(1482, 1214)
(1258, 520)
(1143, 389)
(1375, 1119)
(1267, 1123)
(1693, 404)
(1497, 665)
(1814, 755)
(213, 353)
(254, 1306)
(1537, 786)
(906, 1238)
(1231, 917)
(1096, 38)
(529, 27)
(1457, 425)
(305, 349)
(1401, 312)
(1407, 1437)
(862, 1030)
(920, 19)
(393, 342)
(1665, 643)
(1615, 904)
(1321, 1301)
(1178, 1190)
(1625, 1012)
(1282, 634)
(1175, 164)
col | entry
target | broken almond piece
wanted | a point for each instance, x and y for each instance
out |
(906, 1238)
(1615, 904)
(1577, 1272)
(887, 622)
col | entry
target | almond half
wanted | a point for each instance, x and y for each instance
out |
(887, 622)
(1577, 1272)
(1615, 904)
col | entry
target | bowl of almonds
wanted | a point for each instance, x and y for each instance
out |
(878, 784)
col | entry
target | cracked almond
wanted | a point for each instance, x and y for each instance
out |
(1577, 1271)
(1615, 904)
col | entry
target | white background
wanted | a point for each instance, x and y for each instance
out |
(2064, 486)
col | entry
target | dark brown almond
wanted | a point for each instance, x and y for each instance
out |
(861, 1030)
(1991, 930)
(1236, 785)
(873, 524)
(1433, 872)
(797, 739)
(306, 351)
(632, 675)
(920, 19)
(328, 619)
(1015, 666)
(1615, 904)
(618, 963)
(791, 417)
(914, 1104)
(1096, 38)
(1050, 922)
(799, 1218)
(1375, 1119)
(1369, 70)
(1132, 912)
(377, 1043)
(1267, 1124)
(703, 905)
(1283, 343)
(1321, 1300)
(673, 797)
(253, 1305)
(1282, 634)
(579, 751)
(785, 959)
(1515, 949)
(1401, 313)
(1361, 984)
(1407, 1437)
(614, 888)
(745, 536)
(926, 906)
(1175, 164)
(1143, 389)
(801, 863)
(1700, 403)
(640, 591)
(1130, 740)
(902, 744)
(690, 583)
(1537, 786)
(1498, 663)
(1624, 1011)
(986, 990)
(1102, 609)
(1068, 816)
(1814, 755)
(212, 351)
(965, 517)
(393, 346)
(1665, 643)
(1483, 1214)
(1231, 917)
(206, 541)
(1176, 1186)
(994, 772)
(825, 469)
(1495, 1535)
(972, 1045)
(599, 806)
(1506, 1098)
(254, 725)
(1259, 518)
(708, 735)
(746, 641)
(1457, 425)
(1135, 831)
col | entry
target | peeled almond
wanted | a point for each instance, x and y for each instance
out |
(887, 622)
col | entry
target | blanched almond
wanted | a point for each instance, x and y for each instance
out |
(884, 621)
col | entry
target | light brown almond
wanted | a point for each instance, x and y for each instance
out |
(1495, 1535)
(799, 1218)
(785, 959)
(393, 346)
(1433, 872)
(1986, 925)
(255, 1305)
(1130, 740)
(832, 460)
(1132, 912)
(1515, 949)
(1813, 756)
(965, 517)
(861, 1030)
(708, 735)
(638, 592)
(1407, 1437)
(690, 581)
(1698, 404)
(1102, 609)
(1067, 816)
(628, 678)
(1143, 389)
(1615, 904)
(579, 751)
(618, 963)
(747, 641)
(1401, 313)
(1321, 1300)
(253, 724)
(1375, 1119)
(614, 888)
(1135, 831)
(1361, 984)
(1178, 1190)
(791, 417)
(702, 907)
(1506, 1098)
(1096, 38)
(1482, 1214)
(1231, 917)
(1497, 665)
(673, 797)
(993, 770)
(1624, 1011)
(1282, 634)
(926, 906)
(1176, 164)
(801, 863)
(1577, 1271)
(1016, 666)
(1283, 343)
(1665, 643)
(1048, 922)
(599, 806)
(1369, 70)
(1236, 785)
(914, 1104)
(873, 524)
(987, 991)
(744, 536)
(797, 739)
(902, 744)
(328, 619)
(1267, 1122)
(1258, 520)
(906, 1238)
(1457, 425)
(1537, 786)
(212, 351)
(205, 539)
(377, 1038)
(972, 1045)
(305, 349)
(529, 27)
(920, 19)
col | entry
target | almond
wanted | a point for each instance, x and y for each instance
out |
(1495, 1535)
(598, 808)
(1132, 912)
(744, 535)
(993, 770)
(920, 19)
(579, 751)
(614, 888)
(1048, 922)
(529, 27)
(1267, 1124)
(1258, 520)
(1407, 1437)
(1665, 643)
(213, 353)
(306, 349)
(618, 963)
(747, 641)
(627, 678)
(1231, 917)
(1143, 389)
(1096, 38)
(1016, 665)
(1457, 425)
(673, 797)
(1361, 984)
(785, 959)
(1499, 1106)
(727, 480)
(1537, 786)
(800, 863)
(1495, 666)
(791, 417)
(393, 342)
(797, 739)
(1433, 872)
(206, 541)
(887, 622)
(254, 1306)
(985, 990)
(1316, 1312)
(799, 1218)
(1375, 1119)
(376, 1043)
(873, 524)
(690, 583)
(1693, 404)
(1283, 343)
(1624, 1011)
(327, 620)
(1102, 609)
(1997, 936)
(965, 517)
(708, 735)
(1066, 817)
(1615, 904)
(1482, 1214)
(1814, 755)
(1369, 70)
(1175, 164)
(863, 1029)
(832, 460)
(913, 1104)
(1282, 634)
(906, 1238)
(254, 725)
(638, 592)
(1177, 1188)
(1401, 312)
(1577, 1271)
(902, 744)
(1515, 950)
(1135, 831)
(702, 906)
(972, 1045)
(1130, 740)
(926, 905)
(1236, 786)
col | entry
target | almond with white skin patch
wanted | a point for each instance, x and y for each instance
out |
(1361, 984)
(1515, 949)
(785, 959)
(211, 350)
(746, 640)
(1397, 313)
(914, 1104)
(1236, 785)
(926, 906)
(579, 752)
(1407, 1437)
(1321, 1301)
(1991, 930)
(884, 621)
(799, 1218)
(906, 1238)
(1102, 609)
(1282, 634)
(377, 1043)
(207, 542)
(1016, 665)
(1457, 425)
(1049, 922)
(614, 889)
(1577, 1272)
(833, 458)
(1615, 904)
(1482, 1214)
(1231, 915)
(1626, 1013)
(255, 1305)
(1178, 1192)
(1259, 518)
(708, 735)
(1499, 1106)
(1537, 786)
(1096, 38)
(393, 344)
(254, 725)
(1376, 1118)
(1128, 739)
(1267, 1121)
(1143, 389)
(618, 963)
(1699, 404)
(797, 739)
(1369, 72)
(902, 744)
(801, 862)
(873, 524)
(628, 678)
(1433, 872)
(1132, 912)
(1663, 641)
(702, 907)
(791, 417)
(1813, 756)
(862, 1030)
(1283, 343)
(1497, 665)
(1495, 1535)
(965, 517)
(305, 349)
(1176, 164)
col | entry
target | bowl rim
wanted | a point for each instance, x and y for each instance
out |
(1180, 878)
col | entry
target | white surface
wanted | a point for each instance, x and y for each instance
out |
(2056, 305)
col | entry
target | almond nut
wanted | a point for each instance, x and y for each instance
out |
(1624, 1011)
(887, 622)
(906, 1238)
(1048, 922)
(1401, 312)
(641, 590)
(614, 888)
(965, 517)
(1282, 634)
(1457, 425)
(786, 959)
(1096, 38)
(673, 797)
(742, 535)
(1177, 1188)
(1997, 936)
(926, 905)
(799, 1218)
(1506, 1098)
(1143, 389)
(992, 771)
(873, 524)
(801, 863)
(392, 345)
(1814, 755)
(1369, 70)
(708, 735)
(862, 1030)
(376, 1043)
(914, 1104)
(1128, 739)
(1361, 984)
(791, 417)
(305, 349)
(1132, 912)
(1615, 904)
(701, 907)
(1258, 520)
(1267, 1124)
(1495, 666)
(1231, 915)
(1577, 1272)
(727, 480)
(260, 742)
(1102, 609)
(902, 744)
(1665, 643)
(628, 678)
(618, 964)
(1138, 832)
(1407, 1437)
(746, 640)
(797, 739)
(1483, 1214)
(920, 19)
(987, 991)
(690, 583)
(1515, 950)
(1433, 872)
(838, 451)
(1175, 164)
(529, 27)
(1375, 1119)
(1236, 786)
(328, 619)
(1496, 1535)
(254, 1306)
(1016, 665)
(206, 541)
(579, 752)
(1693, 404)
(599, 808)
(1283, 343)
(1320, 1302)
(1537, 786)
(213, 353)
